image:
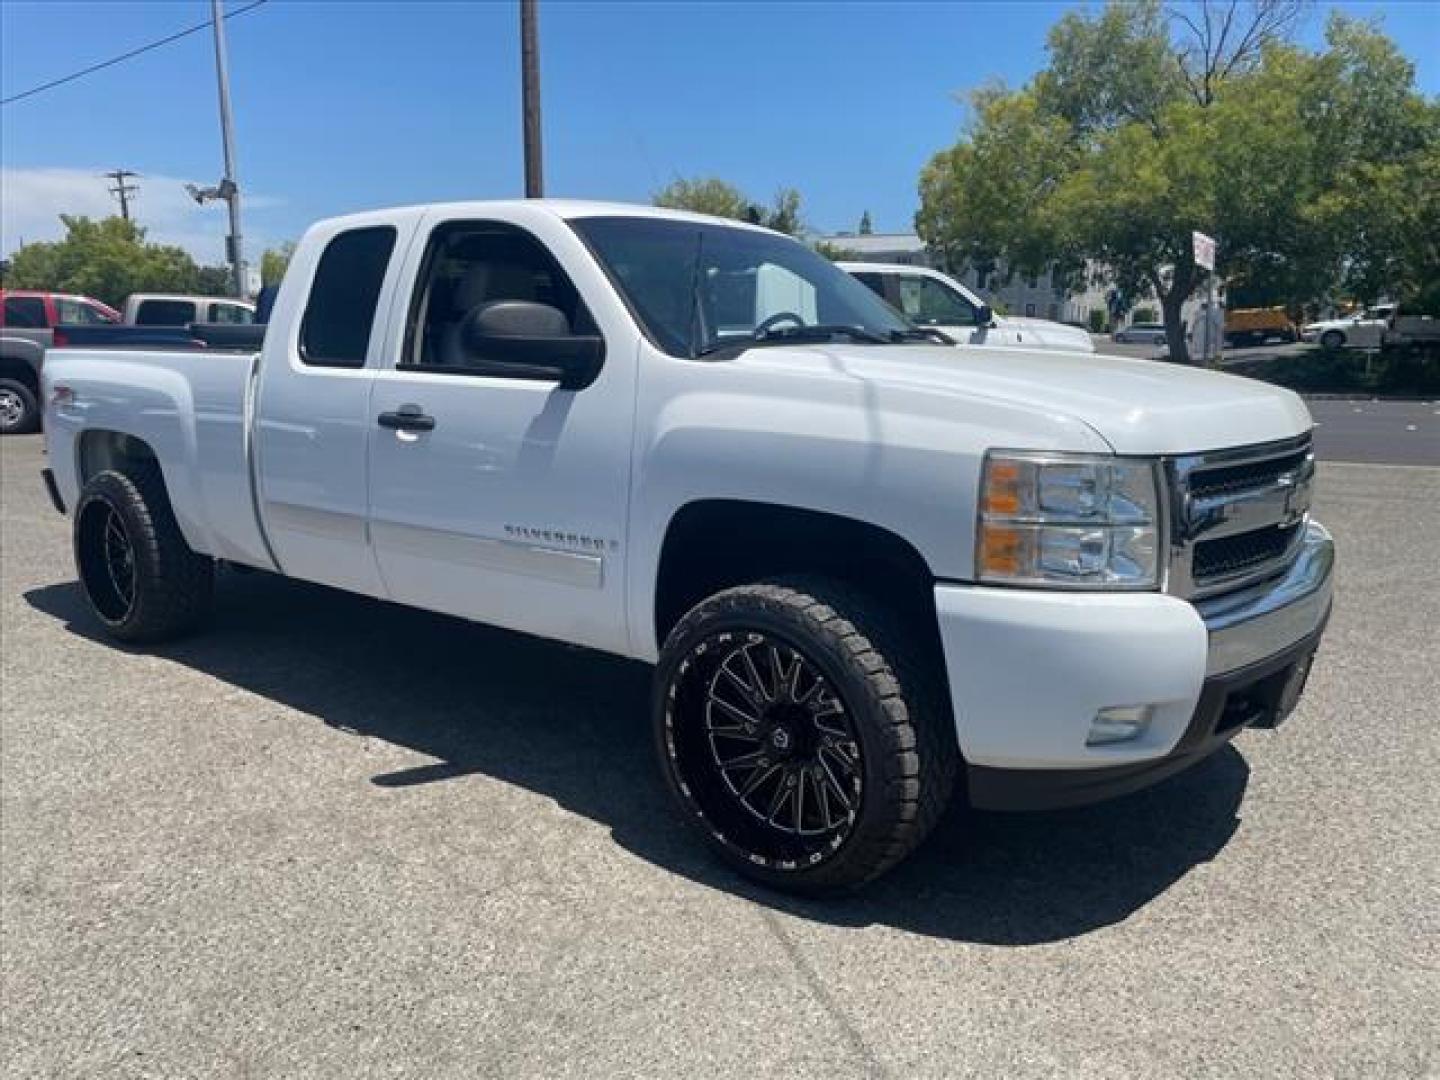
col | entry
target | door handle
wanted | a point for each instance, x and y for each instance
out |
(406, 421)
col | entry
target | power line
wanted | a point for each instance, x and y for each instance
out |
(126, 56)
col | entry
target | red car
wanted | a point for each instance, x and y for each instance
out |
(27, 310)
(27, 328)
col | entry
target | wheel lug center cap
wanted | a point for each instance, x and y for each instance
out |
(780, 738)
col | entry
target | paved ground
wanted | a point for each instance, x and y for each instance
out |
(1393, 432)
(334, 838)
(1106, 344)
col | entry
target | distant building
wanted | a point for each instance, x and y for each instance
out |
(1032, 296)
(904, 248)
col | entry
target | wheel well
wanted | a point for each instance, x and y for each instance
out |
(21, 372)
(719, 543)
(101, 450)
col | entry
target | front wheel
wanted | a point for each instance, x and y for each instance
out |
(19, 412)
(1332, 339)
(800, 734)
(141, 578)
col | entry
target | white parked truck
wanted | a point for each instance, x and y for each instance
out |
(872, 572)
(929, 298)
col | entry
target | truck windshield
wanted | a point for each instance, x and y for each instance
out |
(696, 287)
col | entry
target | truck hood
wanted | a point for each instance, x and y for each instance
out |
(1047, 334)
(1137, 406)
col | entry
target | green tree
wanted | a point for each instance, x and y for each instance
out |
(835, 252)
(107, 259)
(1147, 124)
(213, 280)
(707, 195)
(275, 261)
(711, 195)
(866, 225)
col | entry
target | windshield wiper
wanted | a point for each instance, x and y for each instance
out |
(820, 332)
(922, 333)
(817, 332)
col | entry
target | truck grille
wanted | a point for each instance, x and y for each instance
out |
(1234, 554)
(1237, 516)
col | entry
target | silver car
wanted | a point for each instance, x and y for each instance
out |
(1141, 333)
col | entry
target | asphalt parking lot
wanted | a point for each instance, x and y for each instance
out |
(337, 838)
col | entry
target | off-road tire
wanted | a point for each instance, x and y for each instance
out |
(887, 678)
(21, 414)
(173, 587)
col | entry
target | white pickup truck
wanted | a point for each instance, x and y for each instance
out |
(870, 571)
(929, 298)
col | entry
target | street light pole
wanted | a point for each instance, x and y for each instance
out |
(530, 100)
(228, 190)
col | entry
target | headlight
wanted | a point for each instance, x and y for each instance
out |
(1068, 521)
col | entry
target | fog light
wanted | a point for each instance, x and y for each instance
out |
(1119, 723)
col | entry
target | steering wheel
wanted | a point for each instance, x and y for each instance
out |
(769, 323)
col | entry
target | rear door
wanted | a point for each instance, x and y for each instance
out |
(496, 497)
(313, 408)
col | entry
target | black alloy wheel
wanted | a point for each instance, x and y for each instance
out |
(773, 756)
(802, 731)
(107, 567)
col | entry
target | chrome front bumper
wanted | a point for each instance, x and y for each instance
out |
(1254, 624)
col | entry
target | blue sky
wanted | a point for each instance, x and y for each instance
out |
(343, 106)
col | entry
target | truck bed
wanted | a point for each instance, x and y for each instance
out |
(191, 414)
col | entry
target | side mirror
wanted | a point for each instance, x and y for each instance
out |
(533, 341)
(985, 316)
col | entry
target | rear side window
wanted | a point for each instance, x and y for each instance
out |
(165, 313)
(341, 310)
(25, 311)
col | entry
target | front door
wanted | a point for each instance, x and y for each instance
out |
(495, 497)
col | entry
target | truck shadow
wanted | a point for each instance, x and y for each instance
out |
(573, 725)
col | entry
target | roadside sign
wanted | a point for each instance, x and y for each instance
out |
(1204, 250)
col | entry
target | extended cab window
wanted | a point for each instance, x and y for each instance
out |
(165, 313)
(25, 311)
(335, 331)
(468, 265)
(933, 303)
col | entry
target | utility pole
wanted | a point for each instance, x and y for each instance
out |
(530, 100)
(122, 190)
(228, 189)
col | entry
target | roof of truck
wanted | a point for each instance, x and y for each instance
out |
(567, 209)
(140, 297)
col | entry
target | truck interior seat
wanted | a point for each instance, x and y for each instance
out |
(481, 283)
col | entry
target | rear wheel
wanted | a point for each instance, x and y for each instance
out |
(801, 736)
(141, 578)
(1332, 339)
(19, 412)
